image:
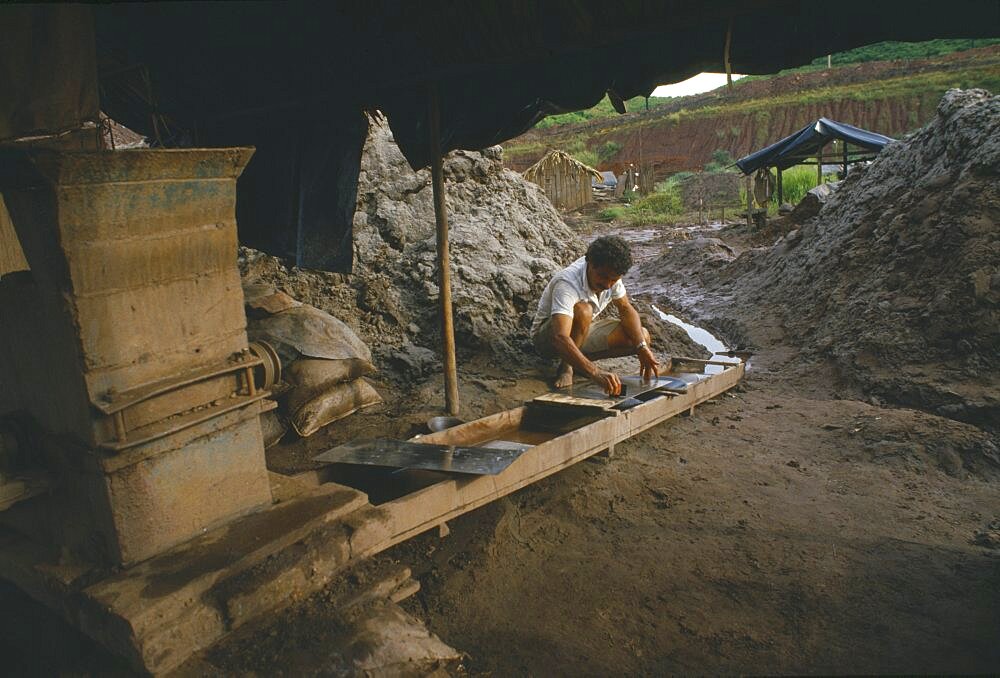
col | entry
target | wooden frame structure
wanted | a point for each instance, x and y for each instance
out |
(159, 612)
(551, 452)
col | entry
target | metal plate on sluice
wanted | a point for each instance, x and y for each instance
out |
(409, 455)
(633, 385)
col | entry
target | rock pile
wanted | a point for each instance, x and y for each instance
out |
(506, 241)
(897, 278)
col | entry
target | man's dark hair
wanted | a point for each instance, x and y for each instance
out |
(610, 251)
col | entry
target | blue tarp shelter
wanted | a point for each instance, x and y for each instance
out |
(808, 142)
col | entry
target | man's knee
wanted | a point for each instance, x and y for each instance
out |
(646, 337)
(583, 313)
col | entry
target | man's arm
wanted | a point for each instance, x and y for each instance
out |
(563, 344)
(631, 324)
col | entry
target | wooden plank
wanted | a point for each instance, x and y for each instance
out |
(476, 431)
(566, 400)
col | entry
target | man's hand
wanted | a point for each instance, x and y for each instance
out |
(609, 381)
(649, 367)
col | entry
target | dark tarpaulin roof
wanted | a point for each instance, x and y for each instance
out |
(292, 78)
(806, 143)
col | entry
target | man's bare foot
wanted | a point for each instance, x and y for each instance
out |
(564, 376)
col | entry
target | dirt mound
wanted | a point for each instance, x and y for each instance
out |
(898, 276)
(506, 241)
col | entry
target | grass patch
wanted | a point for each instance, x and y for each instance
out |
(796, 182)
(663, 206)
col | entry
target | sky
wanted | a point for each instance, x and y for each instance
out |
(699, 83)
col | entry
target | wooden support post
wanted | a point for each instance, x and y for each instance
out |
(725, 57)
(781, 190)
(606, 454)
(444, 272)
(845, 160)
(819, 166)
(749, 200)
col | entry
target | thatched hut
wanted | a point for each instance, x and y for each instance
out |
(566, 181)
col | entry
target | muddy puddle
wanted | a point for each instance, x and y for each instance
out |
(700, 335)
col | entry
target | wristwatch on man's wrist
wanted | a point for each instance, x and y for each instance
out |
(642, 345)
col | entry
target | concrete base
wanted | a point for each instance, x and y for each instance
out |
(160, 612)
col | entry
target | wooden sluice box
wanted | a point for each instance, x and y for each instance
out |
(547, 434)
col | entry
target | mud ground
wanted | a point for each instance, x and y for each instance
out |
(789, 526)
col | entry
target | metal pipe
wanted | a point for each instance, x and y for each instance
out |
(444, 272)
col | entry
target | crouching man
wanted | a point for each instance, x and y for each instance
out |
(566, 324)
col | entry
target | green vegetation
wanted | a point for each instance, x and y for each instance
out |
(577, 149)
(882, 51)
(931, 84)
(888, 51)
(720, 162)
(796, 182)
(603, 109)
(663, 206)
(608, 150)
(918, 91)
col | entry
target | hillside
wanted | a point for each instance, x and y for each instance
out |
(890, 97)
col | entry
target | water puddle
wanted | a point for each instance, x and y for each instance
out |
(700, 335)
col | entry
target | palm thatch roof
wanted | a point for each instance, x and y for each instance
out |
(556, 157)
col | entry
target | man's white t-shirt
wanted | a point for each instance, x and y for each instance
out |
(567, 288)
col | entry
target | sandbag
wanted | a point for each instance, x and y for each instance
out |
(308, 331)
(272, 428)
(330, 405)
(309, 376)
(269, 304)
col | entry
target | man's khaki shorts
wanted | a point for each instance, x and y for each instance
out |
(596, 341)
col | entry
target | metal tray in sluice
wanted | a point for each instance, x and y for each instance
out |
(426, 456)
(633, 385)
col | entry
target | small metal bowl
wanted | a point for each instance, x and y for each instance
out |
(436, 424)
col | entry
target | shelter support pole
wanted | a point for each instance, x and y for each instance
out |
(781, 191)
(749, 200)
(444, 272)
(845, 160)
(725, 58)
(819, 166)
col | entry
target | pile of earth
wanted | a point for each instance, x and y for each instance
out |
(897, 278)
(506, 241)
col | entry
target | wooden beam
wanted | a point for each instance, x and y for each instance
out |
(443, 258)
